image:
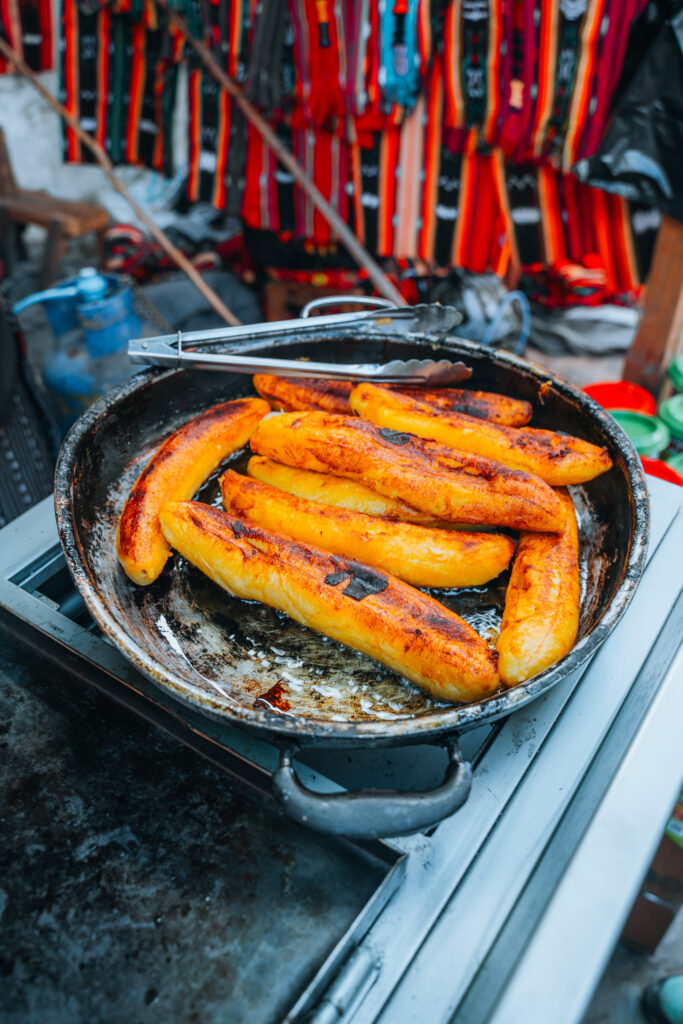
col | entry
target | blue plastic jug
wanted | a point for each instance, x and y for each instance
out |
(92, 318)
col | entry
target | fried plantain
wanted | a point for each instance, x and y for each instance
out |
(541, 617)
(485, 405)
(455, 486)
(423, 557)
(292, 394)
(175, 472)
(369, 611)
(297, 393)
(558, 459)
(335, 490)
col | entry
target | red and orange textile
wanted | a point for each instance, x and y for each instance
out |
(499, 99)
(28, 27)
(118, 79)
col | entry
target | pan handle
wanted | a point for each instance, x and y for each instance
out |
(373, 813)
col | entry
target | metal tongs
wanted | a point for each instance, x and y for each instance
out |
(173, 349)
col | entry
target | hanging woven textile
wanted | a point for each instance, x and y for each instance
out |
(28, 27)
(251, 39)
(118, 77)
(443, 131)
(405, 41)
(319, 40)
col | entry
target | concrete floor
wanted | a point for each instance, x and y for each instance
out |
(579, 370)
(617, 999)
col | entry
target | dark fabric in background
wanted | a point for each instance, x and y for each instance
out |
(641, 154)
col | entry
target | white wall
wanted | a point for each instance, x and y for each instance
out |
(34, 139)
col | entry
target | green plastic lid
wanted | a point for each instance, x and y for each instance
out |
(676, 372)
(671, 413)
(649, 435)
(676, 462)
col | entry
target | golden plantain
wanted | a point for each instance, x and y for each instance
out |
(455, 486)
(556, 458)
(369, 611)
(541, 617)
(423, 557)
(175, 472)
(335, 490)
(292, 394)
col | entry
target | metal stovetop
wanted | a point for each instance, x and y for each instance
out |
(508, 910)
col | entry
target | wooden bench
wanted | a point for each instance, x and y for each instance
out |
(62, 218)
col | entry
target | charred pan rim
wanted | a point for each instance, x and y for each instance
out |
(344, 734)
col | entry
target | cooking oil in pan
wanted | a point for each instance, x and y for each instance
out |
(264, 659)
(254, 656)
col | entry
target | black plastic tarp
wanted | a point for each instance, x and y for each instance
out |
(641, 154)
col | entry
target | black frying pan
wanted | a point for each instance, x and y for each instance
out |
(224, 656)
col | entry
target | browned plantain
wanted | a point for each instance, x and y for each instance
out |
(541, 616)
(423, 557)
(558, 459)
(298, 393)
(456, 486)
(292, 394)
(335, 490)
(175, 472)
(485, 405)
(370, 611)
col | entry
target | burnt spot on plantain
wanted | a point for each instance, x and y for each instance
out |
(395, 436)
(214, 522)
(362, 586)
(362, 580)
(196, 521)
(333, 579)
(451, 627)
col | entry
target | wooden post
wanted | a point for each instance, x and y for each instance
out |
(660, 335)
(55, 247)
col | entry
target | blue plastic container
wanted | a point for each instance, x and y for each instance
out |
(92, 317)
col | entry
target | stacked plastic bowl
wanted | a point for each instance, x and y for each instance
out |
(657, 434)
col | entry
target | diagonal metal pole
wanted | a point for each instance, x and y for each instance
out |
(105, 163)
(341, 229)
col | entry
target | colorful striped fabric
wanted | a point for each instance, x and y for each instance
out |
(401, 61)
(443, 131)
(320, 54)
(28, 27)
(118, 78)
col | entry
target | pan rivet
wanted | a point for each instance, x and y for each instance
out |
(143, 345)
